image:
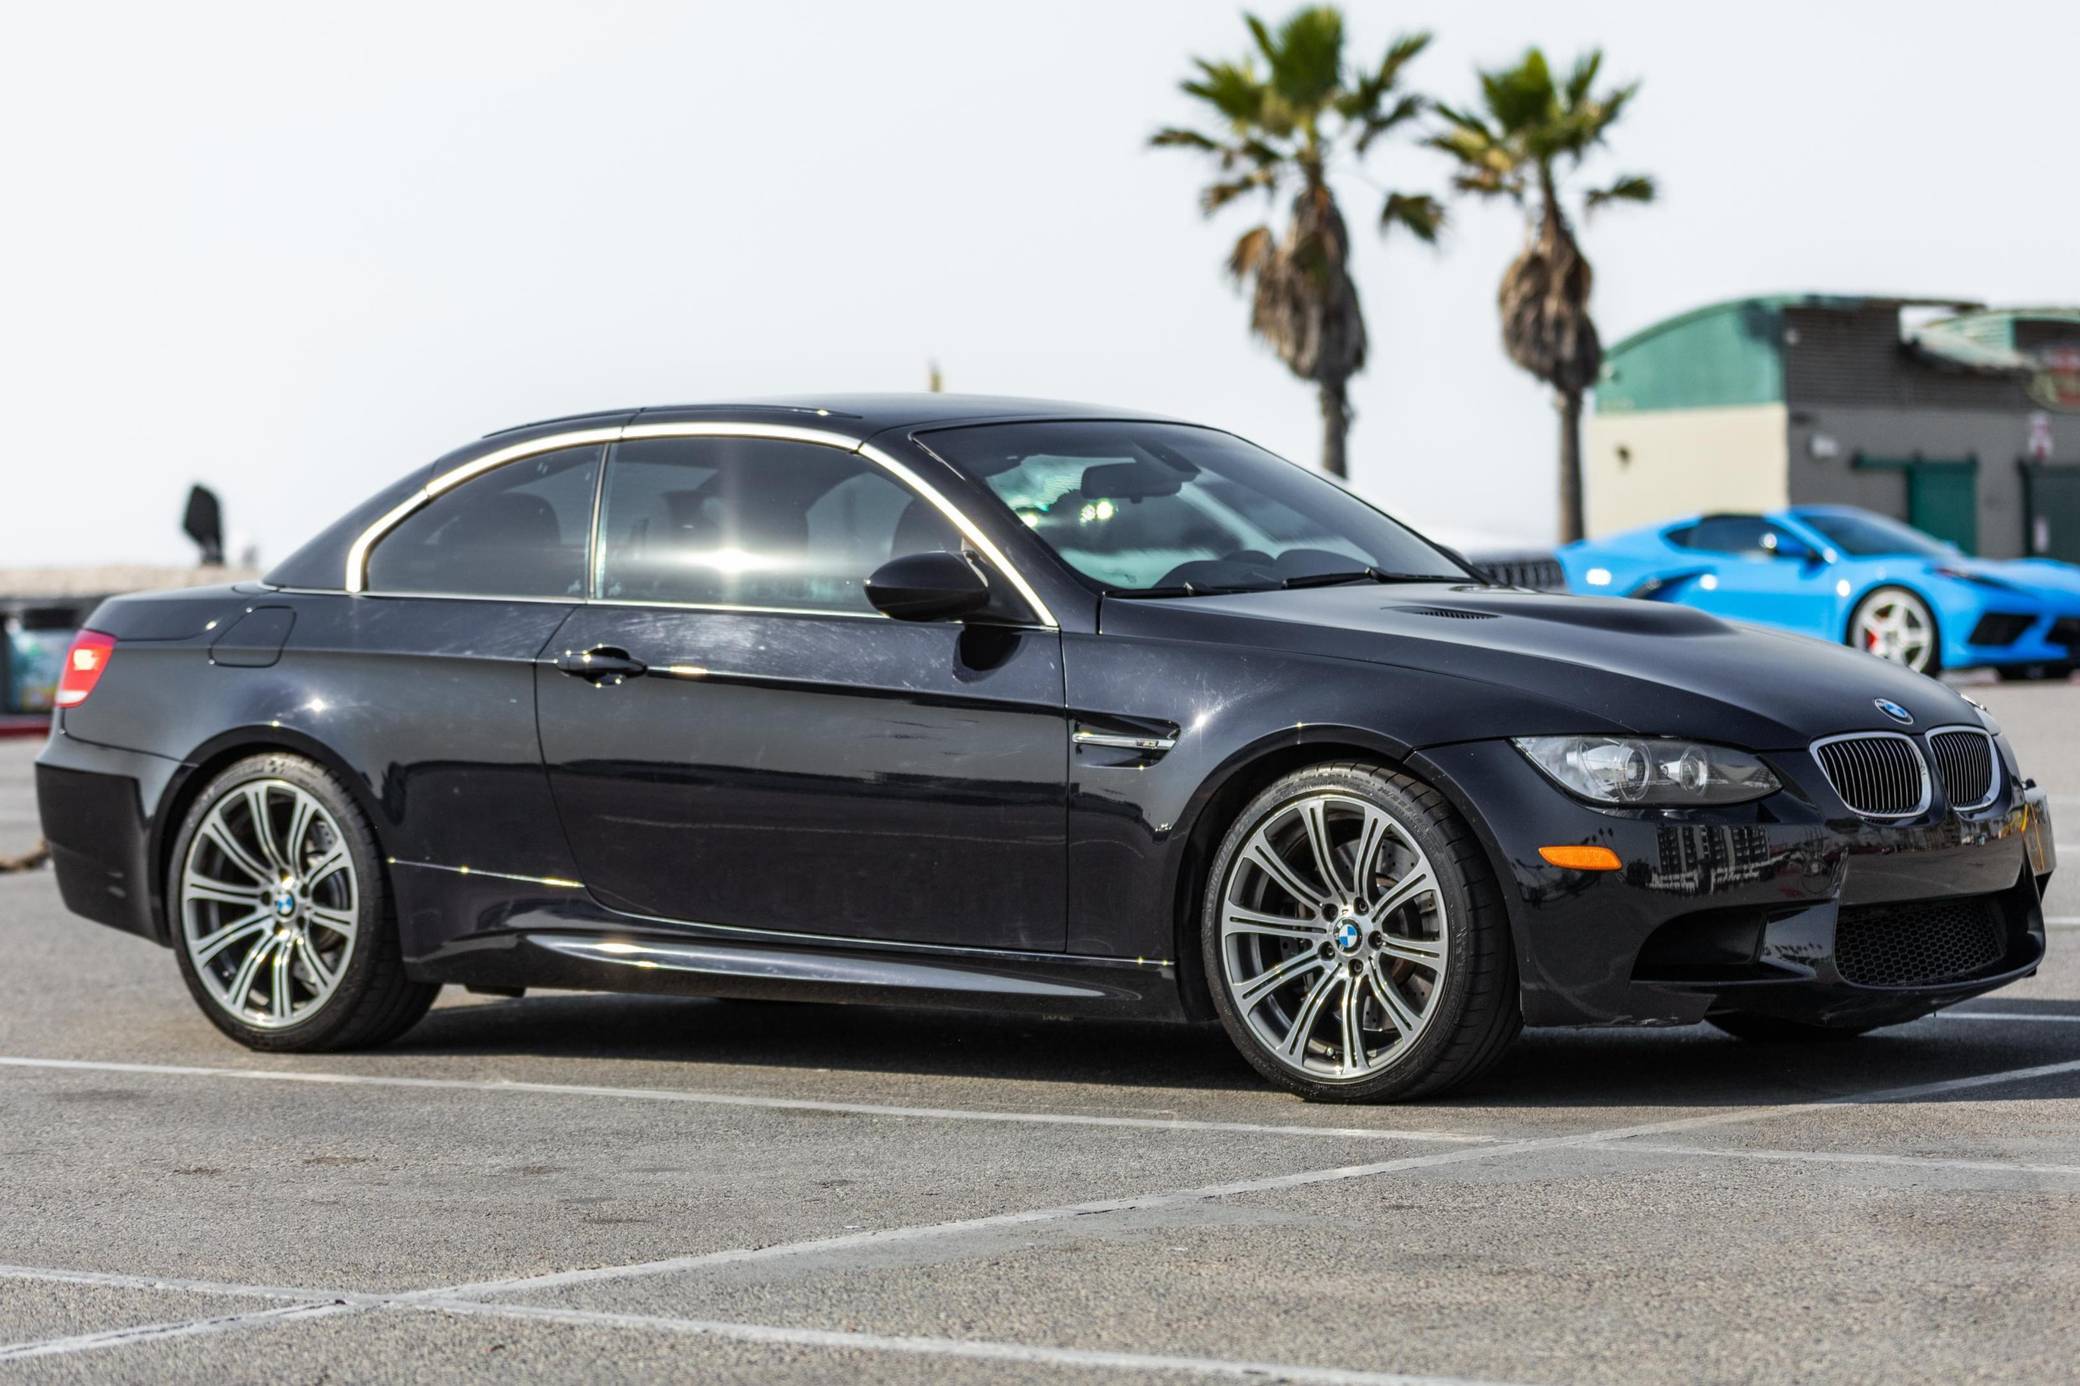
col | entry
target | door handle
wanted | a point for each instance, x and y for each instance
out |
(602, 666)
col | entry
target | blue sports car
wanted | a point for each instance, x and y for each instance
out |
(1850, 575)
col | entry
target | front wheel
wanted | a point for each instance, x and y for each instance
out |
(1354, 940)
(1896, 625)
(281, 920)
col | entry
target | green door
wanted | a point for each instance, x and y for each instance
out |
(1943, 500)
(1942, 494)
(2051, 511)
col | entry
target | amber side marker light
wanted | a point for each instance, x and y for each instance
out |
(1581, 858)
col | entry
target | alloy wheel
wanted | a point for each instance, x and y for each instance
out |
(269, 903)
(1895, 626)
(1334, 936)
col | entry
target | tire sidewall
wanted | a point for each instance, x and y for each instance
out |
(1390, 793)
(371, 893)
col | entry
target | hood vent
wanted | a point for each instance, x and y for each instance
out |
(1444, 611)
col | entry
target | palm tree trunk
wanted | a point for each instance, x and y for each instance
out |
(1570, 405)
(1336, 425)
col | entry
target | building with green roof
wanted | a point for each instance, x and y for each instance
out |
(1961, 419)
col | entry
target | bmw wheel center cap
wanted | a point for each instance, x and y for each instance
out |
(1348, 936)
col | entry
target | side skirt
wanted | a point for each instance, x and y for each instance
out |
(570, 946)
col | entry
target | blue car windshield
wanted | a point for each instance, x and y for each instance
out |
(1869, 536)
(1144, 509)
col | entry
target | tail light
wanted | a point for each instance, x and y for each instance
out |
(84, 663)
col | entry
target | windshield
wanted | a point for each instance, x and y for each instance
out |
(1169, 510)
(1863, 535)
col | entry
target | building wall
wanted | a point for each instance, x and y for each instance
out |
(1997, 437)
(1854, 387)
(1642, 468)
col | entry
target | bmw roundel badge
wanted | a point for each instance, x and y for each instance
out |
(1894, 711)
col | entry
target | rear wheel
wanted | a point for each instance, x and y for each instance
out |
(1355, 943)
(1769, 1029)
(1894, 624)
(281, 916)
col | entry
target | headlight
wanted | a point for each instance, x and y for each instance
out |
(1638, 770)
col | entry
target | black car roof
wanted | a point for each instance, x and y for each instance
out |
(860, 413)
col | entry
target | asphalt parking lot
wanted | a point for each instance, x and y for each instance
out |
(573, 1187)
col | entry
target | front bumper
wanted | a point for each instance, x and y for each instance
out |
(95, 802)
(2051, 638)
(1739, 908)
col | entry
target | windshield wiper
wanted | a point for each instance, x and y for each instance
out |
(1360, 575)
(1189, 589)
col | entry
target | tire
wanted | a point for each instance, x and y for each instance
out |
(1897, 626)
(1769, 1029)
(1426, 978)
(329, 973)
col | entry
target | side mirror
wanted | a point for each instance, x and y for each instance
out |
(1791, 550)
(928, 587)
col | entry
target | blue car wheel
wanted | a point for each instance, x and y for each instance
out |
(1895, 624)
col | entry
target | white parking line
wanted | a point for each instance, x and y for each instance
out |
(117, 1280)
(780, 1104)
(833, 1250)
(155, 1332)
(1842, 1157)
(957, 1348)
(2007, 1015)
(830, 1250)
(2063, 921)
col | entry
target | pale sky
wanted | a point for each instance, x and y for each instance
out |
(295, 250)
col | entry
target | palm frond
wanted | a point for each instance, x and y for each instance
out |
(1307, 57)
(1420, 214)
(1370, 129)
(1520, 97)
(1631, 187)
(1230, 88)
(1219, 195)
(1172, 137)
(1468, 121)
(1583, 77)
(1252, 251)
(1400, 53)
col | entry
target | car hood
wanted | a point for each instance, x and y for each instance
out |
(2037, 577)
(1647, 667)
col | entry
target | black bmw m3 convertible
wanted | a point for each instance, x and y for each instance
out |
(1008, 705)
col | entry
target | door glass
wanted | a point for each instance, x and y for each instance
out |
(517, 531)
(1749, 536)
(754, 522)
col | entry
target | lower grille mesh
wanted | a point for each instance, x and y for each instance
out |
(1918, 943)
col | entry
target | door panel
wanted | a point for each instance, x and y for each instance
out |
(1943, 500)
(1752, 574)
(817, 773)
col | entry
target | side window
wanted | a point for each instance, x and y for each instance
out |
(753, 522)
(1746, 535)
(517, 531)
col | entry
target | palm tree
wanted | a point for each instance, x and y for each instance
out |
(1528, 136)
(1281, 128)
